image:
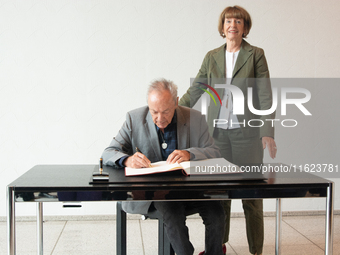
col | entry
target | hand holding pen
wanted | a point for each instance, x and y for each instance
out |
(137, 160)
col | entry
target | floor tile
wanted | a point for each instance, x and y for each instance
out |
(230, 250)
(310, 225)
(3, 237)
(286, 250)
(301, 250)
(336, 249)
(26, 237)
(313, 228)
(86, 236)
(300, 235)
(289, 235)
(238, 237)
(149, 230)
(97, 237)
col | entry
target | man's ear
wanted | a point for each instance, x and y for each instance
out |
(177, 101)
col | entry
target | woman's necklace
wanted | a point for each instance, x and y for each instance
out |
(232, 70)
(164, 144)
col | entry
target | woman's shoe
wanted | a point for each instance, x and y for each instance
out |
(224, 249)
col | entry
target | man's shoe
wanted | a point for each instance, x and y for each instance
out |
(224, 249)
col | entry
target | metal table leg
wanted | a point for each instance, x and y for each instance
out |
(121, 230)
(40, 228)
(278, 227)
(329, 220)
(10, 221)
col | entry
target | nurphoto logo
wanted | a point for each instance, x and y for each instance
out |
(239, 104)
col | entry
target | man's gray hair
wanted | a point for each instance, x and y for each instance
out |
(163, 84)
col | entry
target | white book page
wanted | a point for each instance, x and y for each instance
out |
(157, 167)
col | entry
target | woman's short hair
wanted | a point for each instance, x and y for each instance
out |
(161, 85)
(236, 12)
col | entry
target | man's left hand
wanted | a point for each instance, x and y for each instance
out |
(270, 144)
(178, 156)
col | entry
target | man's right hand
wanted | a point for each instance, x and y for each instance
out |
(137, 160)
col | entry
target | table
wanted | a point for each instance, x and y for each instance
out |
(76, 178)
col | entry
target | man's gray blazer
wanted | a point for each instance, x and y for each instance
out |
(140, 131)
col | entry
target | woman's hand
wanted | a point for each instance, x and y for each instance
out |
(270, 144)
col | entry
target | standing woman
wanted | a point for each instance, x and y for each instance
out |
(240, 64)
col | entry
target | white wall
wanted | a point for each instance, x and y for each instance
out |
(70, 70)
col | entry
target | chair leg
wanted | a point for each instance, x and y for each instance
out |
(120, 230)
(161, 235)
(164, 245)
(168, 250)
(172, 252)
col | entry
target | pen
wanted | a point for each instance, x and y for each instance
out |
(138, 150)
(100, 165)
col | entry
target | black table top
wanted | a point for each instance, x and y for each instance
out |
(78, 177)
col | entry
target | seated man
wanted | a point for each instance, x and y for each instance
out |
(165, 131)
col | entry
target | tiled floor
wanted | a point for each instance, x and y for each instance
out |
(301, 235)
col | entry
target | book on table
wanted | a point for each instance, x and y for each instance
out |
(207, 166)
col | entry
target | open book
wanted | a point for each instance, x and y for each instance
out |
(159, 167)
(207, 166)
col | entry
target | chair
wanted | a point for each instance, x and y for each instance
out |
(164, 246)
